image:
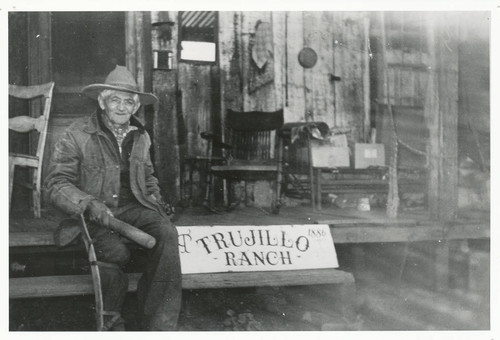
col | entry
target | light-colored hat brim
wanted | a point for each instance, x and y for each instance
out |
(93, 91)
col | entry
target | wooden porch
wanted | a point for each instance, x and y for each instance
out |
(351, 230)
(346, 225)
(383, 254)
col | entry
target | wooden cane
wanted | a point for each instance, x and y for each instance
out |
(132, 233)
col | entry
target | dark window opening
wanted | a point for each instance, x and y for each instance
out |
(86, 46)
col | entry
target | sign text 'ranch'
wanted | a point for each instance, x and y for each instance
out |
(209, 249)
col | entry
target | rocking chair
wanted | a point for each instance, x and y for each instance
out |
(249, 155)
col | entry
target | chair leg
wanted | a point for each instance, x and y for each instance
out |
(12, 167)
(311, 173)
(208, 200)
(37, 184)
(318, 189)
(276, 204)
(36, 203)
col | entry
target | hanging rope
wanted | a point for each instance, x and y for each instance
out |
(393, 195)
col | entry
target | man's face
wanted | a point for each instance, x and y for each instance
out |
(119, 106)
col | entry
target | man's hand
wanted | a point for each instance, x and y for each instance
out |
(169, 208)
(99, 213)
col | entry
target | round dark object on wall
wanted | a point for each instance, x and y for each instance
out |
(307, 57)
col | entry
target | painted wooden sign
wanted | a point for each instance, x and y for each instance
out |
(212, 249)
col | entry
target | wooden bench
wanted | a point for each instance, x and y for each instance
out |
(70, 285)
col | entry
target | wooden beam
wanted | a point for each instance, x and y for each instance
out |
(70, 285)
(349, 232)
(371, 221)
(371, 234)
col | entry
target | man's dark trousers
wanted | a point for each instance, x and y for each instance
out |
(159, 290)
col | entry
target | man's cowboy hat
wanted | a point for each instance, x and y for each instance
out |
(120, 79)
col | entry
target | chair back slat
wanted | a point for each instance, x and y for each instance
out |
(31, 92)
(26, 123)
(250, 133)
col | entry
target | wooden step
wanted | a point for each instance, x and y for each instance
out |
(70, 285)
(343, 231)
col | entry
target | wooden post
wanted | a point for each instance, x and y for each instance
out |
(366, 79)
(165, 141)
(442, 265)
(441, 112)
(39, 68)
(448, 116)
(393, 195)
(40, 48)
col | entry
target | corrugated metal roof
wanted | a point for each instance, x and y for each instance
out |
(198, 19)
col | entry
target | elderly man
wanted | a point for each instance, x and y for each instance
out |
(100, 168)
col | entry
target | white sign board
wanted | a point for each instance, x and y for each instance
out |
(214, 249)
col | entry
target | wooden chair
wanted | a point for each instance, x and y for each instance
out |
(249, 147)
(301, 131)
(26, 124)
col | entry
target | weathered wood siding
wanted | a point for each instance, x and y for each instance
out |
(339, 41)
(205, 92)
(422, 66)
(408, 77)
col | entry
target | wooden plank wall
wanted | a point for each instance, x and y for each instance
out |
(339, 40)
(407, 61)
(306, 93)
(351, 105)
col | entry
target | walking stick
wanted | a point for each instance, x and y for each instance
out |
(132, 233)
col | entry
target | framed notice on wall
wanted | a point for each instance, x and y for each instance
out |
(212, 249)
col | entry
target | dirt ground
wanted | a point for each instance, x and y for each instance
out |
(389, 296)
(381, 304)
(271, 309)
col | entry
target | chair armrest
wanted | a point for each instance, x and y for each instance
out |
(208, 135)
(215, 139)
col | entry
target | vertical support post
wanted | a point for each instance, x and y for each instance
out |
(393, 195)
(165, 122)
(39, 72)
(366, 79)
(40, 48)
(441, 112)
(442, 265)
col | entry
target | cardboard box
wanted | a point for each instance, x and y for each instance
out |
(366, 155)
(325, 155)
